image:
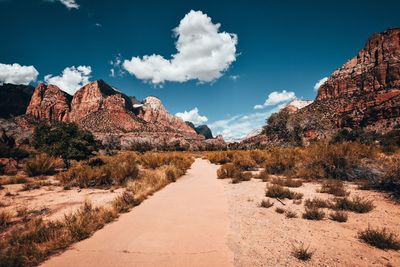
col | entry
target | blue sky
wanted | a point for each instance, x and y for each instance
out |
(259, 48)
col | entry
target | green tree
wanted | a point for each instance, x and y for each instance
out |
(65, 140)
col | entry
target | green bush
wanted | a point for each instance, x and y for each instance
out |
(66, 140)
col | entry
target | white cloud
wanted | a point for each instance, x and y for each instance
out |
(70, 4)
(239, 126)
(192, 116)
(319, 83)
(17, 74)
(99, 25)
(71, 79)
(275, 98)
(203, 53)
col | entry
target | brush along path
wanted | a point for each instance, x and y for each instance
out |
(184, 224)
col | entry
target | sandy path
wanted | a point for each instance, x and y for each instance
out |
(185, 224)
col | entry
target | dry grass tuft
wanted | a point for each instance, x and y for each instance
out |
(266, 203)
(289, 182)
(277, 191)
(280, 210)
(380, 238)
(41, 164)
(313, 214)
(356, 204)
(290, 214)
(318, 203)
(339, 216)
(302, 253)
(5, 219)
(334, 187)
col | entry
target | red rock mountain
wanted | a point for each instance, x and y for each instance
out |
(105, 111)
(49, 103)
(365, 92)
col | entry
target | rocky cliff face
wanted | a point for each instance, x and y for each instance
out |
(203, 130)
(105, 111)
(49, 103)
(153, 111)
(365, 92)
(14, 99)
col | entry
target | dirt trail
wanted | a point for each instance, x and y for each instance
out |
(185, 224)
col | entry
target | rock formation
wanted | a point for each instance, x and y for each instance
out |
(49, 103)
(203, 130)
(365, 92)
(14, 99)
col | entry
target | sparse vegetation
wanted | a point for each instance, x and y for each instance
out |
(317, 203)
(266, 203)
(277, 191)
(41, 164)
(313, 214)
(380, 238)
(263, 176)
(339, 216)
(280, 210)
(281, 161)
(334, 187)
(290, 214)
(229, 170)
(302, 253)
(356, 204)
(5, 219)
(289, 182)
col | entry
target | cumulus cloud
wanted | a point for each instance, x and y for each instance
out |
(319, 83)
(276, 98)
(239, 126)
(71, 79)
(116, 69)
(17, 74)
(70, 4)
(203, 53)
(192, 116)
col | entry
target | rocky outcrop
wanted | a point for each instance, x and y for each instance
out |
(365, 92)
(14, 99)
(296, 105)
(153, 111)
(48, 102)
(203, 130)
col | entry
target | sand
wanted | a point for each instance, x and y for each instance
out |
(262, 237)
(184, 224)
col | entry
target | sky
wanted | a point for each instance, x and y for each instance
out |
(228, 64)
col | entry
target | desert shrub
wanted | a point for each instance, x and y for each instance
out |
(302, 253)
(281, 161)
(334, 161)
(259, 156)
(125, 202)
(241, 177)
(41, 164)
(266, 203)
(228, 170)
(297, 201)
(263, 175)
(334, 187)
(5, 219)
(290, 214)
(115, 170)
(356, 204)
(280, 210)
(8, 148)
(218, 157)
(289, 182)
(313, 214)
(277, 191)
(95, 162)
(390, 180)
(390, 141)
(317, 203)
(339, 216)
(66, 140)
(15, 180)
(171, 173)
(243, 161)
(380, 238)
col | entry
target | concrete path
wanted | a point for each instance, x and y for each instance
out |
(184, 224)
